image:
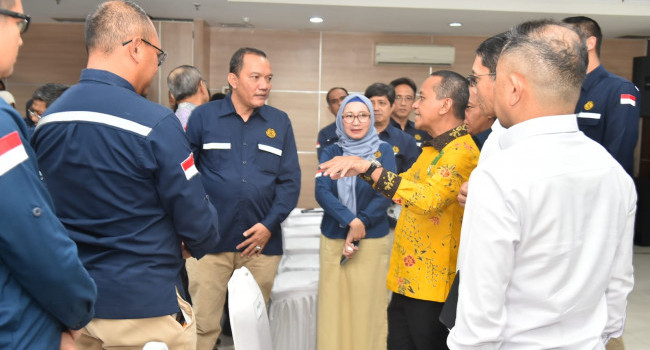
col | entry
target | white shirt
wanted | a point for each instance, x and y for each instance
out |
(491, 144)
(546, 243)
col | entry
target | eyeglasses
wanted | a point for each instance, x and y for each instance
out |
(162, 55)
(361, 117)
(405, 98)
(22, 25)
(473, 78)
(34, 114)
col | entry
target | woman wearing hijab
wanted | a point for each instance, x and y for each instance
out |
(352, 295)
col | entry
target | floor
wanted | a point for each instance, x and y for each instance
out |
(637, 330)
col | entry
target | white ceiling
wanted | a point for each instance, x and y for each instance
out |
(617, 18)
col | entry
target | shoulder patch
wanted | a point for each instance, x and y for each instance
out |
(395, 149)
(12, 152)
(378, 154)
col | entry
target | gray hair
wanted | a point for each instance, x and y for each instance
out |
(183, 82)
(114, 22)
(553, 55)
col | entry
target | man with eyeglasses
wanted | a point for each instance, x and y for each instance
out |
(482, 82)
(423, 259)
(405, 89)
(327, 135)
(43, 97)
(124, 183)
(47, 295)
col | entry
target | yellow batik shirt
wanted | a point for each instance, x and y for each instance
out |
(427, 235)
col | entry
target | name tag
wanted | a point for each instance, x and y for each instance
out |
(270, 149)
(216, 145)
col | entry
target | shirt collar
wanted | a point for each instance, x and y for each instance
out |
(105, 77)
(553, 124)
(228, 109)
(594, 77)
(441, 141)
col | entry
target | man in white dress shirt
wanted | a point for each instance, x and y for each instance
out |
(546, 247)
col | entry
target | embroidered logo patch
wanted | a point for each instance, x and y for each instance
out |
(589, 105)
(270, 133)
(418, 137)
(395, 149)
(378, 154)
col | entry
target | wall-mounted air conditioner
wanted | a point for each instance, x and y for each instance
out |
(414, 54)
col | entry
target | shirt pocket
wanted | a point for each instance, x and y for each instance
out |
(268, 156)
(216, 154)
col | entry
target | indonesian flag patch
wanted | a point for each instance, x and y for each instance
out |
(627, 99)
(319, 173)
(188, 167)
(12, 152)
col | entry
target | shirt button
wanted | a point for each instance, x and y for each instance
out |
(245, 144)
(37, 212)
(243, 180)
(244, 162)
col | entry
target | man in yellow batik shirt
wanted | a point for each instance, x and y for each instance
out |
(423, 260)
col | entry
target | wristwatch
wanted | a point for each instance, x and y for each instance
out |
(374, 164)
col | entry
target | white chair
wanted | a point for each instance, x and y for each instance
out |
(248, 318)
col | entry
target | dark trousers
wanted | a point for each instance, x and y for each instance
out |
(413, 324)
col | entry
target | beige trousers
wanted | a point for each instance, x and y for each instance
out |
(208, 279)
(133, 334)
(352, 299)
(615, 344)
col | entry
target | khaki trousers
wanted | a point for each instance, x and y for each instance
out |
(133, 334)
(208, 279)
(615, 344)
(353, 299)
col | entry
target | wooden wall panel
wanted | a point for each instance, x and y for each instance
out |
(617, 55)
(301, 111)
(177, 39)
(308, 166)
(51, 53)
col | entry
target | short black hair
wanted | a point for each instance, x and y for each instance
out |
(405, 81)
(586, 27)
(455, 87)
(381, 89)
(217, 96)
(490, 50)
(327, 96)
(237, 59)
(49, 92)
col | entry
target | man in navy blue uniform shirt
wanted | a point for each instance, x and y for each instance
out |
(406, 151)
(46, 293)
(125, 186)
(609, 106)
(327, 135)
(405, 89)
(247, 154)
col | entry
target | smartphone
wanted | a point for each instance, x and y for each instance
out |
(344, 258)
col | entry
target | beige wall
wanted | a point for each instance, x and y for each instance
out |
(305, 66)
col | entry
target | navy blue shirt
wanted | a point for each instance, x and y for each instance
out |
(122, 177)
(608, 112)
(326, 136)
(419, 135)
(404, 147)
(250, 169)
(371, 205)
(44, 285)
(480, 138)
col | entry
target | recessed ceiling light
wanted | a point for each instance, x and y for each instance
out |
(316, 19)
(455, 24)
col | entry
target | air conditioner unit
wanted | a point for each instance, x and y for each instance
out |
(414, 54)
